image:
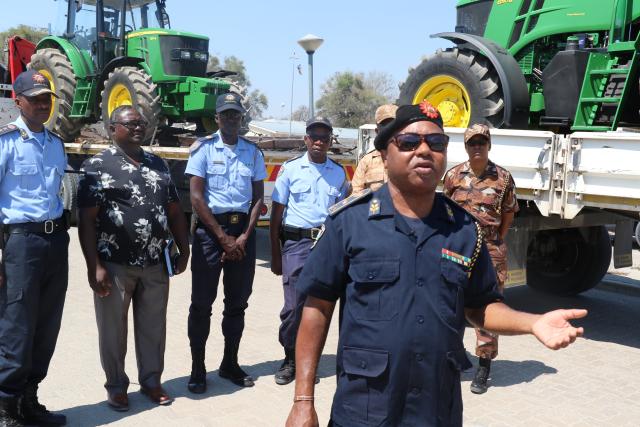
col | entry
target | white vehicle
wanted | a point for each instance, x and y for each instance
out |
(569, 188)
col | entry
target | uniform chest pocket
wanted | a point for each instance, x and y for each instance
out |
(451, 292)
(333, 193)
(244, 175)
(372, 295)
(217, 176)
(301, 191)
(27, 176)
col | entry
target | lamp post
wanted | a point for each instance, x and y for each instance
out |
(310, 44)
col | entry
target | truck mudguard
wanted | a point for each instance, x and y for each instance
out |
(513, 83)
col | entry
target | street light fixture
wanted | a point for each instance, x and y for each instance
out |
(310, 44)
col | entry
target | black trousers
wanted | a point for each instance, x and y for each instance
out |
(31, 302)
(237, 281)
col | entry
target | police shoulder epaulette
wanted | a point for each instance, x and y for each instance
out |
(342, 204)
(55, 134)
(293, 158)
(198, 142)
(8, 129)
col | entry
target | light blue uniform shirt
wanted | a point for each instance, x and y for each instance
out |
(30, 175)
(308, 189)
(228, 173)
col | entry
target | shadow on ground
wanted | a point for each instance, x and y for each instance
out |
(99, 413)
(505, 373)
(613, 316)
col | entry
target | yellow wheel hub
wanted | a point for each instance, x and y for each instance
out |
(118, 96)
(449, 96)
(209, 124)
(48, 76)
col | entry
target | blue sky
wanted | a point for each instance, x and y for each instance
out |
(360, 36)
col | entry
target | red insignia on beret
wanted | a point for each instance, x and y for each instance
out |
(429, 110)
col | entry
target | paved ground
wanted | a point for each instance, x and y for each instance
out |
(594, 383)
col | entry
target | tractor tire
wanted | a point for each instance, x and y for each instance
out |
(69, 193)
(461, 84)
(58, 70)
(568, 261)
(636, 234)
(206, 125)
(131, 86)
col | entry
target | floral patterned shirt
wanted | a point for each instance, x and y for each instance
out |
(132, 224)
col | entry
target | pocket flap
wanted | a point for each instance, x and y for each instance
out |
(300, 187)
(244, 171)
(454, 272)
(375, 270)
(216, 169)
(364, 362)
(333, 191)
(458, 360)
(25, 169)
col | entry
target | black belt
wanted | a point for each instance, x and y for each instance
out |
(230, 218)
(295, 233)
(49, 226)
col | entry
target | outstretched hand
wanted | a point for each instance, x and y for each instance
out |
(554, 330)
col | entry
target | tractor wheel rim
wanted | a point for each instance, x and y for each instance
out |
(119, 95)
(449, 96)
(48, 76)
(209, 124)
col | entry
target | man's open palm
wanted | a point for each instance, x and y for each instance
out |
(554, 330)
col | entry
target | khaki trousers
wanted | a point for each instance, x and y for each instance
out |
(148, 289)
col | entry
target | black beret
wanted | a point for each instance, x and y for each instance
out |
(407, 114)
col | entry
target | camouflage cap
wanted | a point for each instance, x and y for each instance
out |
(385, 112)
(477, 129)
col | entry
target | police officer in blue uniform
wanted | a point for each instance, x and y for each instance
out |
(226, 184)
(305, 189)
(408, 265)
(34, 264)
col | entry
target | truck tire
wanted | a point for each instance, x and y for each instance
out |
(69, 191)
(55, 66)
(131, 86)
(461, 84)
(568, 261)
(637, 234)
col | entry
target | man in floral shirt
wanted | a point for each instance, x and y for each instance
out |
(128, 208)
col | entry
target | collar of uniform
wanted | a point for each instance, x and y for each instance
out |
(24, 128)
(306, 162)
(219, 144)
(490, 169)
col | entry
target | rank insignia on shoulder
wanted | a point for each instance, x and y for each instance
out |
(457, 258)
(8, 129)
(24, 134)
(374, 207)
(318, 236)
(348, 201)
(449, 212)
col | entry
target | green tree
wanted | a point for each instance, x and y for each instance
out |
(350, 99)
(33, 34)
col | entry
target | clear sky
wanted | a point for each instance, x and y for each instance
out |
(360, 36)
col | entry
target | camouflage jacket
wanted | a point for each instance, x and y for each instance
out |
(486, 196)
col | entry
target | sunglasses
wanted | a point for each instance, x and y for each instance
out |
(320, 137)
(411, 141)
(132, 125)
(477, 143)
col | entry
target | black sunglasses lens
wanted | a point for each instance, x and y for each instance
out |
(321, 138)
(437, 141)
(408, 141)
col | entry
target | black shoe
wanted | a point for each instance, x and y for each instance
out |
(286, 373)
(230, 369)
(479, 383)
(236, 375)
(9, 416)
(198, 379)
(33, 412)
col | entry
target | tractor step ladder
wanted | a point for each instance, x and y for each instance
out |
(81, 100)
(601, 69)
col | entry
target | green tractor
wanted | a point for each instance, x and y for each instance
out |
(563, 65)
(123, 52)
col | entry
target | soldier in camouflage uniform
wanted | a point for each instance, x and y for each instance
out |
(486, 191)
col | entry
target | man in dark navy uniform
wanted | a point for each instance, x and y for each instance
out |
(33, 284)
(408, 266)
